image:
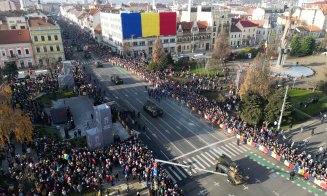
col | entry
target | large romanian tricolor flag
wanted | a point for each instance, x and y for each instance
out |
(266, 43)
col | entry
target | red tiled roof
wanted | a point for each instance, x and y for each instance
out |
(312, 28)
(187, 26)
(15, 36)
(39, 22)
(93, 11)
(246, 23)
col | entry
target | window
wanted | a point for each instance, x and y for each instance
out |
(165, 41)
(42, 38)
(45, 49)
(49, 37)
(29, 63)
(142, 43)
(36, 39)
(51, 48)
(134, 43)
(38, 49)
(22, 64)
(22, 27)
(12, 27)
(56, 37)
(4, 53)
(27, 52)
(58, 48)
(172, 40)
(19, 52)
(11, 52)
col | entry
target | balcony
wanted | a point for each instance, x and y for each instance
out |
(13, 57)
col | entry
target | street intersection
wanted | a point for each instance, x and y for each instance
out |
(184, 138)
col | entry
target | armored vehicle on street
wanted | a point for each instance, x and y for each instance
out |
(152, 109)
(234, 174)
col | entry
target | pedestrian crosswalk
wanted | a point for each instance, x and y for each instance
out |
(204, 160)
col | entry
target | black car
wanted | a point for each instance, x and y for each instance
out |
(152, 109)
(87, 55)
(97, 64)
(116, 80)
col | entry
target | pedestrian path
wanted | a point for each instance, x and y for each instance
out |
(205, 160)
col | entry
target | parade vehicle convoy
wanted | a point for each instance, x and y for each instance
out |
(235, 175)
(152, 109)
(116, 80)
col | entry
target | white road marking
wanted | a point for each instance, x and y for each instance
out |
(225, 149)
(181, 171)
(200, 158)
(235, 147)
(246, 147)
(187, 170)
(190, 162)
(164, 154)
(170, 175)
(242, 148)
(307, 138)
(166, 130)
(216, 183)
(175, 174)
(214, 154)
(147, 136)
(209, 155)
(204, 147)
(322, 144)
(178, 127)
(275, 193)
(206, 158)
(197, 162)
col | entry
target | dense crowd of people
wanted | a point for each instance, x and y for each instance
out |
(62, 169)
(189, 93)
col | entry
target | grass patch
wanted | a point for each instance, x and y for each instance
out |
(213, 96)
(47, 131)
(302, 96)
(181, 80)
(79, 142)
(46, 99)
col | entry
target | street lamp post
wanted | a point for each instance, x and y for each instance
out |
(282, 110)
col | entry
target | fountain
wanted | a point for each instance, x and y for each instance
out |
(287, 69)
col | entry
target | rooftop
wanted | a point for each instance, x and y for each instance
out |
(40, 22)
(15, 36)
(312, 28)
(187, 26)
(246, 23)
(234, 29)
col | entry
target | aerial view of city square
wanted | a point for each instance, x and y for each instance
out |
(163, 98)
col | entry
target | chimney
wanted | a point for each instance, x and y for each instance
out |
(189, 5)
(154, 4)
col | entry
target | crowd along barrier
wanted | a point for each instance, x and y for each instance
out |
(296, 168)
(321, 183)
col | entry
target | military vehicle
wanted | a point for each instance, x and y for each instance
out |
(152, 109)
(97, 64)
(234, 174)
(87, 55)
(116, 80)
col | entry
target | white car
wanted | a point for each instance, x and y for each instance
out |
(324, 53)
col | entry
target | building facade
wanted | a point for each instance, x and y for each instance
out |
(193, 37)
(127, 32)
(16, 46)
(16, 23)
(47, 42)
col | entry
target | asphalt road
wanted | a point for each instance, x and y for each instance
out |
(182, 137)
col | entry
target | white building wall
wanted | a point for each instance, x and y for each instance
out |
(258, 14)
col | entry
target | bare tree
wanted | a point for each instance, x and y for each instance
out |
(126, 49)
(157, 51)
(221, 50)
(257, 78)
